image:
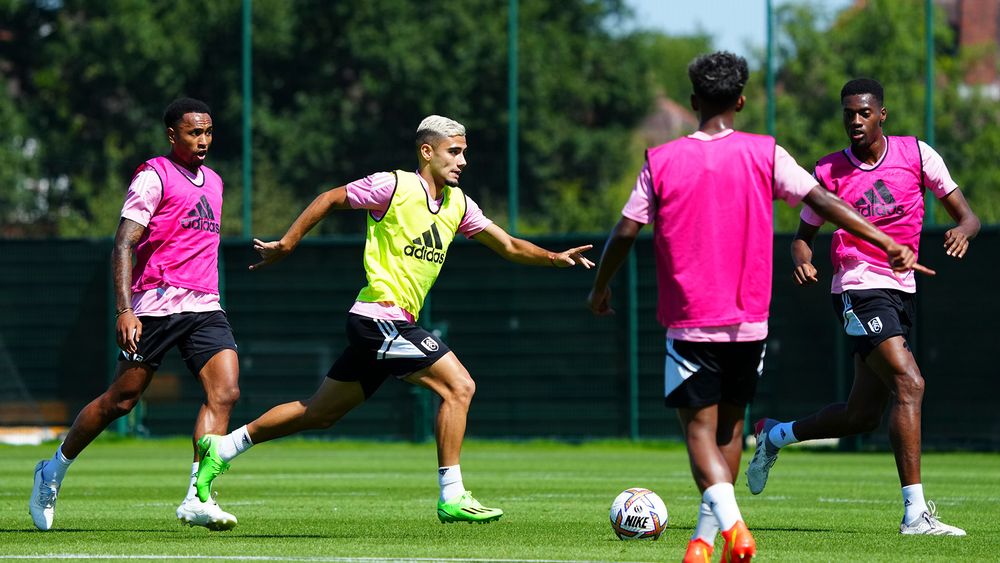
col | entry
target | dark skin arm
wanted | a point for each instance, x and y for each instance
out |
(128, 329)
(271, 252)
(956, 239)
(615, 252)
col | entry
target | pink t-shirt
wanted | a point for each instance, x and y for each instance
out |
(873, 270)
(374, 193)
(791, 184)
(141, 201)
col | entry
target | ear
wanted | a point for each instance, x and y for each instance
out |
(882, 115)
(740, 102)
(171, 135)
(426, 152)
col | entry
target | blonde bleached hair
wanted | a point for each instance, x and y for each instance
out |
(436, 127)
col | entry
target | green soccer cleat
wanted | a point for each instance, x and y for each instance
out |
(210, 466)
(465, 508)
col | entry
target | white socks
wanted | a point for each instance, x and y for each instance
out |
(721, 499)
(913, 502)
(781, 434)
(56, 468)
(192, 492)
(707, 526)
(450, 480)
(234, 443)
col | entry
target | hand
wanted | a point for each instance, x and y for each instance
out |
(805, 274)
(128, 330)
(902, 259)
(956, 243)
(572, 257)
(600, 302)
(270, 252)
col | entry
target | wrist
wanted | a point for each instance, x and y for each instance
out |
(122, 311)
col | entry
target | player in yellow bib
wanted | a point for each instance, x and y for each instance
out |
(412, 219)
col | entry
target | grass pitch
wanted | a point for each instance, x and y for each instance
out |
(300, 500)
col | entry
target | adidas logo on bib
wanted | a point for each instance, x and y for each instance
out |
(427, 246)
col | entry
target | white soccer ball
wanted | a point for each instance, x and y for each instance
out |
(638, 514)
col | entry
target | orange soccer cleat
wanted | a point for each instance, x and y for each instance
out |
(698, 551)
(740, 545)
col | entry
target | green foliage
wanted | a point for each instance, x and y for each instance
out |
(340, 86)
(883, 39)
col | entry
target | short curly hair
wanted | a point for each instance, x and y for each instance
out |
(178, 108)
(860, 86)
(719, 77)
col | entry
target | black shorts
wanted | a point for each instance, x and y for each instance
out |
(198, 336)
(698, 374)
(872, 316)
(378, 348)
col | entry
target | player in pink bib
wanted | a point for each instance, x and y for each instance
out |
(170, 297)
(709, 197)
(884, 178)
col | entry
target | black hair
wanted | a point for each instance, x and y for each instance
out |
(181, 106)
(860, 86)
(719, 78)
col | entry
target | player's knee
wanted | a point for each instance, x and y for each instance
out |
(322, 419)
(464, 389)
(225, 397)
(121, 405)
(910, 386)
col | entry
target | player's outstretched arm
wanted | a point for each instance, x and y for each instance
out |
(956, 239)
(616, 249)
(833, 209)
(128, 329)
(802, 253)
(273, 251)
(525, 252)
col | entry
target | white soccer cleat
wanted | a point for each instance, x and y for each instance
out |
(764, 456)
(927, 524)
(42, 505)
(193, 512)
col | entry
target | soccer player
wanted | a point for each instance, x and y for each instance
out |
(883, 177)
(412, 219)
(171, 217)
(709, 196)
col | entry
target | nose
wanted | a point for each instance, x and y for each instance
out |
(461, 161)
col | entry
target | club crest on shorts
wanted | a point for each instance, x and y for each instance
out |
(429, 344)
(876, 325)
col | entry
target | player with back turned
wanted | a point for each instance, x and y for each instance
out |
(709, 197)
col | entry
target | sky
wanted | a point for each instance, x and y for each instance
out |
(739, 26)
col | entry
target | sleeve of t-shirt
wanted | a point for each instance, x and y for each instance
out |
(791, 181)
(474, 221)
(640, 205)
(143, 197)
(937, 179)
(808, 215)
(372, 192)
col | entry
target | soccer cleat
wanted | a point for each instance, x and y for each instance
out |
(764, 456)
(193, 512)
(465, 508)
(698, 551)
(210, 466)
(740, 545)
(928, 524)
(42, 505)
